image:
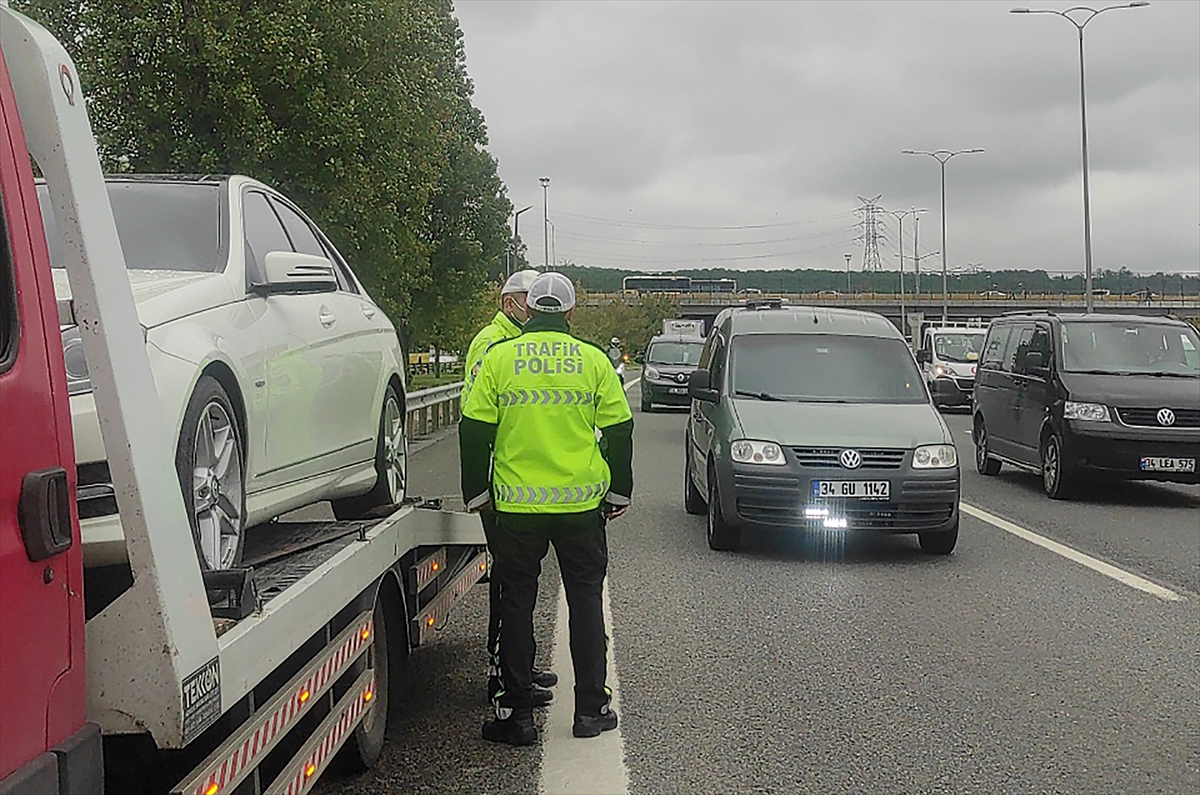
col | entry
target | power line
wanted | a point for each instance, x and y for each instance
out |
(870, 234)
(651, 225)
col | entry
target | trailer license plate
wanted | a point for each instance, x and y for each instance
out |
(1168, 465)
(852, 489)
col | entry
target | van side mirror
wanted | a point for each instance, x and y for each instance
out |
(924, 356)
(1035, 364)
(291, 272)
(700, 386)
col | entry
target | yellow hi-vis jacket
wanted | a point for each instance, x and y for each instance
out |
(546, 393)
(501, 328)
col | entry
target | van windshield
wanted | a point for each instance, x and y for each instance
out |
(958, 346)
(826, 368)
(1132, 346)
(675, 353)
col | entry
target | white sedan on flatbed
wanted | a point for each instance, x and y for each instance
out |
(281, 378)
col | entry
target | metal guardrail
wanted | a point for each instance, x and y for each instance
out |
(430, 410)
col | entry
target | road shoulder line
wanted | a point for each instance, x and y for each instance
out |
(1082, 558)
(572, 766)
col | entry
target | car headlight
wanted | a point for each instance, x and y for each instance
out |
(651, 373)
(79, 380)
(939, 371)
(935, 456)
(746, 451)
(1097, 412)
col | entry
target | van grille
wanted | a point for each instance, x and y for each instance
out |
(827, 458)
(1148, 418)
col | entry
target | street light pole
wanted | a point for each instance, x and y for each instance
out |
(848, 258)
(553, 251)
(899, 216)
(1091, 13)
(545, 181)
(943, 156)
(517, 234)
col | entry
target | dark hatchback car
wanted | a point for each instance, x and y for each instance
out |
(1073, 397)
(669, 360)
(816, 419)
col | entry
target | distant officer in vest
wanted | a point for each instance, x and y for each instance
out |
(505, 325)
(529, 450)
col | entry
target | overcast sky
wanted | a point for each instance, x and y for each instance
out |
(741, 134)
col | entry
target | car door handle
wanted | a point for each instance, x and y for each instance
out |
(368, 311)
(327, 318)
(44, 513)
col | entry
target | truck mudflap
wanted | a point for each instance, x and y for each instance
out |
(235, 760)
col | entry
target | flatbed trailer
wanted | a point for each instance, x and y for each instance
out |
(157, 676)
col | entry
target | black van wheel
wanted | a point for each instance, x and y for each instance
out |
(984, 463)
(1058, 480)
(693, 502)
(721, 535)
(939, 543)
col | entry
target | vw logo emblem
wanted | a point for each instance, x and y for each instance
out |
(850, 459)
(1166, 417)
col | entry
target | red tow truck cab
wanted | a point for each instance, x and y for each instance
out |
(46, 745)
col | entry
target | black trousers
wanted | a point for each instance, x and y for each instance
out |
(520, 541)
(493, 636)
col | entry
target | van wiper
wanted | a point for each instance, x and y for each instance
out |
(1102, 372)
(757, 395)
(1172, 375)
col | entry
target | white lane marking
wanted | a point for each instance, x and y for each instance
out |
(572, 766)
(631, 384)
(1083, 559)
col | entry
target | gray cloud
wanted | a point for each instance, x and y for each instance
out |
(652, 114)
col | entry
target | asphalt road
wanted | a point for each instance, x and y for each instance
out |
(813, 664)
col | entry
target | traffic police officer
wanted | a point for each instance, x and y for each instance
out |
(505, 325)
(535, 406)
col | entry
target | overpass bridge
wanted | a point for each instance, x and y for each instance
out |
(961, 307)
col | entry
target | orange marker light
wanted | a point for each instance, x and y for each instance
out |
(304, 694)
(212, 789)
(308, 771)
(366, 633)
(429, 621)
(483, 566)
(435, 566)
(367, 696)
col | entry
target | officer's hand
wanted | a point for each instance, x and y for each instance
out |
(615, 511)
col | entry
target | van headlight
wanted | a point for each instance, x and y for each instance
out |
(935, 456)
(651, 373)
(79, 380)
(1096, 412)
(747, 451)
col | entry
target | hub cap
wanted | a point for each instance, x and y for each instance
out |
(217, 487)
(395, 449)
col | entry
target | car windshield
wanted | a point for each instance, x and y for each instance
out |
(170, 226)
(826, 368)
(1131, 347)
(959, 346)
(675, 353)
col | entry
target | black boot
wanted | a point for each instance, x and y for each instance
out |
(516, 729)
(544, 678)
(592, 725)
(541, 696)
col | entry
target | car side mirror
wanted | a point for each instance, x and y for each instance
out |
(925, 356)
(700, 386)
(290, 272)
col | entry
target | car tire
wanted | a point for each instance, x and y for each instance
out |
(939, 543)
(1058, 478)
(211, 466)
(984, 463)
(721, 535)
(391, 464)
(647, 406)
(693, 501)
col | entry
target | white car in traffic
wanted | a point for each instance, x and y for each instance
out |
(281, 378)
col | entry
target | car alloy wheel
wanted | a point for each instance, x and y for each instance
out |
(395, 448)
(984, 463)
(217, 486)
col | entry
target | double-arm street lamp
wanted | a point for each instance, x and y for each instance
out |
(545, 181)
(942, 156)
(899, 215)
(1082, 16)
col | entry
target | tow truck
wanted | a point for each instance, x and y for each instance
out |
(171, 679)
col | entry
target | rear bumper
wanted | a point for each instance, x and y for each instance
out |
(74, 767)
(1115, 451)
(920, 501)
